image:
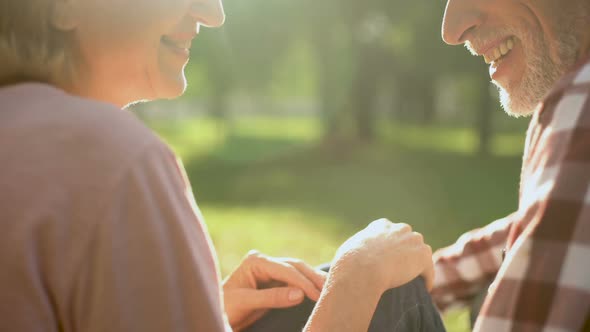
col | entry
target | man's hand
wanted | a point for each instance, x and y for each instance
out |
(261, 283)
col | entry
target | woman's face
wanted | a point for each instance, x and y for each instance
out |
(134, 50)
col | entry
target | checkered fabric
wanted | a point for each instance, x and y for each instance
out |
(544, 282)
(465, 268)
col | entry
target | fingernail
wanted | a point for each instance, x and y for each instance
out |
(295, 294)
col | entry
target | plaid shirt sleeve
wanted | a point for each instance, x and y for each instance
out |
(465, 268)
(544, 283)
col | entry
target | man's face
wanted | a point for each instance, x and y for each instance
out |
(529, 44)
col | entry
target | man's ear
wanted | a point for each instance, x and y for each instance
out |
(64, 15)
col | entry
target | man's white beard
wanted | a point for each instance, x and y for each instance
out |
(542, 72)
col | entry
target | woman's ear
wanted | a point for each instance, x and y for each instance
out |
(64, 15)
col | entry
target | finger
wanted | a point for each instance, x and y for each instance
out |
(317, 277)
(418, 237)
(402, 228)
(268, 269)
(270, 298)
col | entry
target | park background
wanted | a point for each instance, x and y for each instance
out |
(305, 120)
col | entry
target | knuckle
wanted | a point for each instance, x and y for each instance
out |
(418, 236)
(375, 224)
(286, 267)
(295, 262)
(381, 222)
(253, 255)
(405, 228)
(292, 269)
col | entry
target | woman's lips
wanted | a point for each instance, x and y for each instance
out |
(177, 46)
(178, 43)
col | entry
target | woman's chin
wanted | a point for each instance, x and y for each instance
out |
(171, 88)
(165, 87)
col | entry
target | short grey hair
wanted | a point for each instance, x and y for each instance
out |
(31, 49)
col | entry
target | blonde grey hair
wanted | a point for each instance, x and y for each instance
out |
(30, 48)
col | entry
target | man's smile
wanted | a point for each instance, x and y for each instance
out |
(497, 53)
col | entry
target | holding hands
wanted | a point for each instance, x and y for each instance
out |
(382, 256)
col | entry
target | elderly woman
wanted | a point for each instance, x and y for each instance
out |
(100, 231)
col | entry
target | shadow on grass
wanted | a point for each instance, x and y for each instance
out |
(440, 194)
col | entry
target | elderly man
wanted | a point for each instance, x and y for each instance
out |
(538, 52)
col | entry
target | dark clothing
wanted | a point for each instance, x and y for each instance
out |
(407, 308)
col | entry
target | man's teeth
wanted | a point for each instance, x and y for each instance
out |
(500, 51)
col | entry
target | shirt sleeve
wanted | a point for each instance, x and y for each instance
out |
(466, 268)
(544, 283)
(150, 265)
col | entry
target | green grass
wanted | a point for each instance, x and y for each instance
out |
(266, 183)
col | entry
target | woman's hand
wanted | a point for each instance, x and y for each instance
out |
(261, 283)
(386, 255)
(382, 256)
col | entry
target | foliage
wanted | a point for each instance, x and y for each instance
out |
(341, 53)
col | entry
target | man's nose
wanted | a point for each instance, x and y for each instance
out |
(461, 18)
(208, 12)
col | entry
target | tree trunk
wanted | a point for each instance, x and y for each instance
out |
(364, 92)
(327, 87)
(427, 90)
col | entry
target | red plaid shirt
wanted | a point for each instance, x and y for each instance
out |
(543, 284)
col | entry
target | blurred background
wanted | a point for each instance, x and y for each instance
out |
(305, 120)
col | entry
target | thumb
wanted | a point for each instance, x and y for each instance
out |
(270, 298)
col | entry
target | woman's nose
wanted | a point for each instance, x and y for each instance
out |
(461, 18)
(208, 12)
